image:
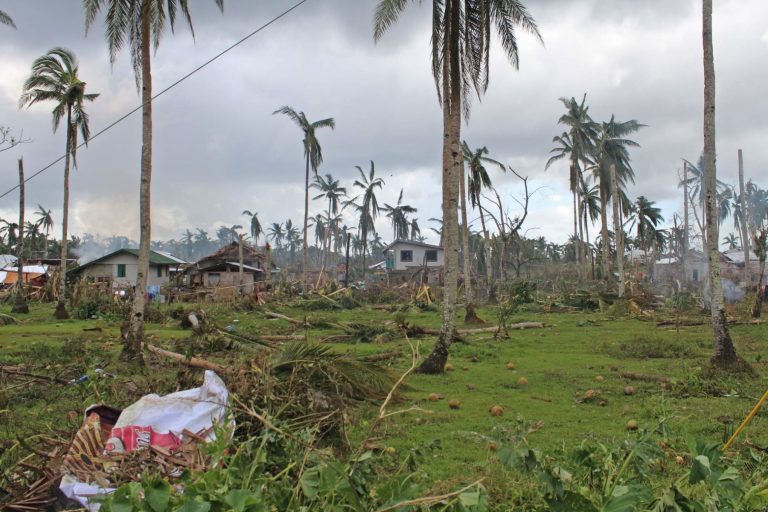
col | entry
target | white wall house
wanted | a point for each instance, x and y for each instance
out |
(407, 254)
(120, 268)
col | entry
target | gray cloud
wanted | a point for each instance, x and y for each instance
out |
(219, 149)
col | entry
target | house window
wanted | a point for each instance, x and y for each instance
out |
(121, 270)
(431, 255)
(159, 271)
(214, 278)
(406, 255)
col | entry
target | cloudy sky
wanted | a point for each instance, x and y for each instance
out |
(219, 150)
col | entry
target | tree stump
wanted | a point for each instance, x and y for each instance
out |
(471, 315)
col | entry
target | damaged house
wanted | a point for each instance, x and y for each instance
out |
(220, 271)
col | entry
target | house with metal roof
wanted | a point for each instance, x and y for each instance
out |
(119, 269)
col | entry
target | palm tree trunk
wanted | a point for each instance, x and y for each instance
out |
(606, 263)
(684, 257)
(365, 250)
(135, 335)
(487, 251)
(618, 230)
(583, 263)
(306, 224)
(591, 254)
(577, 250)
(743, 225)
(61, 308)
(725, 353)
(465, 238)
(452, 161)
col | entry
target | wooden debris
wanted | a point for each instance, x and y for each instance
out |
(194, 362)
(272, 314)
(646, 378)
(17, 371)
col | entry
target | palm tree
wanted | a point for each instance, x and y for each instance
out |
(732, 241)
(276, 234)
(45, 219)
(313, 154)
(576, 144)
(415, 230)
(255, 226)
(55, 78)
(590, 212)
(461, 32)
(398, 216)
(613, 170)
(333, 192)
(139, 24)
(188, 239)
(292, 238)
(696, 185)
(725, 352)
(477, 180)
(368, 209)
(5, 19)
(648, 217)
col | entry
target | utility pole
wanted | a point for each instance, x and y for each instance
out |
(20, 304)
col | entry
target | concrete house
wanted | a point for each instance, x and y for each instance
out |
(119, 269)
(404, 258)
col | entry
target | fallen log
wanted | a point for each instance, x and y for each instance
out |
(281, 337)
(683, 323)
(194, 362)
(480, 330)
(272, 314)
(646, 378)
(15, 370)
(384, 356)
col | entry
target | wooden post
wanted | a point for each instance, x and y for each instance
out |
(743, 224)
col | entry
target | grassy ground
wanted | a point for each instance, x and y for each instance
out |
(574, 353)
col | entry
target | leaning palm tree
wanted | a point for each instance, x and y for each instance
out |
(477, 180)
(461, 32)
(368, 207)
(313, 155)
(45, 219)
(725, 352)
(5, 19)
(55, 78)
(139, 24)
(276, 234)
(254, 226)
(731, 242)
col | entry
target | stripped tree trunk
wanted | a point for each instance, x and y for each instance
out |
(61, 308)
(684, 257)
(725, 352)
(134, 336)
(618, 230)
(743, 225)
(306, 227)
(452, 161)
(20, 304)
(606, 263)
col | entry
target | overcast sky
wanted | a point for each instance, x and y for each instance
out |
(219, 150)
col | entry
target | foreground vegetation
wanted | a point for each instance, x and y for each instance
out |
(561, 442)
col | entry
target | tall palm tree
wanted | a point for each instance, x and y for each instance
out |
(313, 155)
(5, 19)
(415, 230)
(254, 226)
(648, 217)
(45, 219)
(333, 192)
(54, 77)
(590, 212)
(724, 351)
(477, 180)
(576, 144)
(139, 24)
(398, 216)
(292, 238)
(613, 170)
(188, 238)
(461, 32)
(368, 207)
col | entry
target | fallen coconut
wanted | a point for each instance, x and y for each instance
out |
(496, 410)
(631, 425)
(522, 381)
(511, 366)
(471, 387)
(454, 404)
(434, 397)
(599, 378)
(629, 390)
(448, 367)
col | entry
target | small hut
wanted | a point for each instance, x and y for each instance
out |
(219, 273)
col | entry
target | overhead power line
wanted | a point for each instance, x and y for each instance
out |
(174, 84)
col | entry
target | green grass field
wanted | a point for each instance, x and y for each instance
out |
(574, 353)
